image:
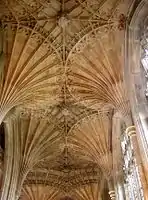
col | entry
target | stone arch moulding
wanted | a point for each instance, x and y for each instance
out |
(134, 76)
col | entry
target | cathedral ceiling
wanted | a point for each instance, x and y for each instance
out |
(61, 61)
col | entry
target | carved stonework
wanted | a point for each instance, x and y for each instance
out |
(63, 17)
(61, 79)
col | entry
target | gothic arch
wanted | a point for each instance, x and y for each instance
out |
(134, 73)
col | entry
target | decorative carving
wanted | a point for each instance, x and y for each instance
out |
(122, 22)
(44, 41)
(93, 133)
(112, 195)
(90, 80)
(59, 14)
(131, 174)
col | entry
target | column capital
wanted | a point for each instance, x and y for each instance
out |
(112, 194)
(131, 131)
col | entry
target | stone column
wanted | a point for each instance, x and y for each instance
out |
(120, 190)
(11, 165)
(118, 157)
(131, 132)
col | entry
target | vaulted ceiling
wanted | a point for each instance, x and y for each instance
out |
(61, 61)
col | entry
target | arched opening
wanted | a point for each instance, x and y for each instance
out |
(136, 67)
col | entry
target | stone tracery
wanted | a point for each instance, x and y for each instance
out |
(63, 64)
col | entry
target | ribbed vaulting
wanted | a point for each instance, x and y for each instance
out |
(92, 139)
(30, 68)
(61, 82)
(32, 141)
(87, 192)
(39, 192)
(96, 75)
